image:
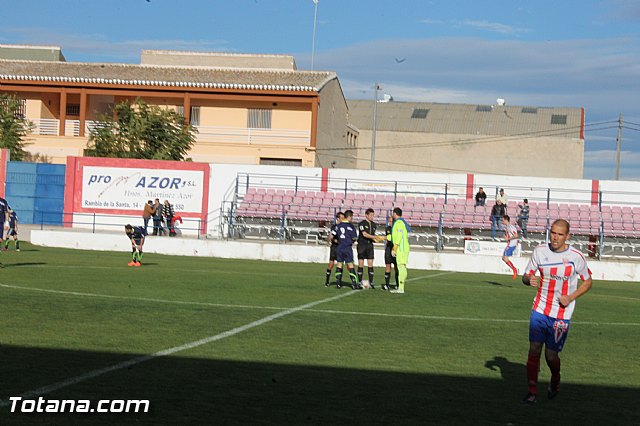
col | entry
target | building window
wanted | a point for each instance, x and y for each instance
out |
(73, 109)
(558, 119)
(419, 113)
(194, 120)
(280, 162)
(21, 111)
(259, 118)
(484, 108)
(529, 110)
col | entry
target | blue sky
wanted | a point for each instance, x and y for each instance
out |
(534, 53)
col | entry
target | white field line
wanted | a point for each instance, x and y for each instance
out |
(439, 274)
(125, 364)
(276, 308)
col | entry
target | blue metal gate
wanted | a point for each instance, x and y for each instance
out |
(36, 191)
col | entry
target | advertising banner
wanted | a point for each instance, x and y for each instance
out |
(121, 187)
(488, 248)
(108, 188)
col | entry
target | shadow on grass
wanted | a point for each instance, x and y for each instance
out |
(203, 391)
(498, 284)
(19, 264)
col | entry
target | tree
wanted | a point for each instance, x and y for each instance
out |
(141, 131)
(14, 127)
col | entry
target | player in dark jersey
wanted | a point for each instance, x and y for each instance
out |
(346, 234)
(366, 237)
(4, 218)
(13, 230)
(389, 259)
(333, 243)
(136, 234)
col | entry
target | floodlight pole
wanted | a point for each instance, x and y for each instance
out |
(373, 127)
(313, 41)
(619, 145)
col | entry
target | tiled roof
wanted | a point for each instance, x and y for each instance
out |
(467, 119)
(145, 75)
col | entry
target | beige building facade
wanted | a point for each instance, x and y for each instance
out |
(247, 109)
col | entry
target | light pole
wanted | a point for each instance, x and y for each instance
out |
(313, 41)
(373, 127)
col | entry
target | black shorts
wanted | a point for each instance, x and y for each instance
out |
(12, 233)
(333, 252)
(365, 251)
(388, 259)
(345, 254)
(137, 241)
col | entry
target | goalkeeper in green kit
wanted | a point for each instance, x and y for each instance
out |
(400, 239)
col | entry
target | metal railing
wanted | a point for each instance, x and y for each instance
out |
(97, 222)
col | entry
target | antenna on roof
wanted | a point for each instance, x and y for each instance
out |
(500, 102)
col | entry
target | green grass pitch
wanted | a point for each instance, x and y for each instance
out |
(451, 350)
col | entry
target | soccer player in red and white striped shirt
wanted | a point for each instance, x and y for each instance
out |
(560, 266)
(511, 234)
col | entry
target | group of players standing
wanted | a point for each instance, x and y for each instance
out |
(344, 234)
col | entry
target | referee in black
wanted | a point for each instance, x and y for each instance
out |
(333, 241)
(366, 237)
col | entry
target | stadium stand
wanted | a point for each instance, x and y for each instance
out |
(440, 221)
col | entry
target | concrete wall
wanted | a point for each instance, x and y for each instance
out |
(332, 129)
(418, 261)
(542, 156)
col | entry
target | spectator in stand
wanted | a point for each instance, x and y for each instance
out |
(147, 213)
(497, 212)
(523, 217)
(481, 197)
(157, 218)
(502, 197)
(167, 212)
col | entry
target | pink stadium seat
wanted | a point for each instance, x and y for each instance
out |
(252, 196)
(277, 199)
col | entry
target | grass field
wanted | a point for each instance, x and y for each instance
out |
(249, 342)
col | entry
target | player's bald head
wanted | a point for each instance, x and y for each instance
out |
(563, 223)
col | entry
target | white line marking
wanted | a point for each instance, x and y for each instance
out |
(429, 276)
(231, 306)
(125, 364)
(142, 299)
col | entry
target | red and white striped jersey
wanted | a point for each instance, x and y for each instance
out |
(559, 272)
(511, 234)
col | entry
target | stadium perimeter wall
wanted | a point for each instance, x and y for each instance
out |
(270, 251)
(103, 193)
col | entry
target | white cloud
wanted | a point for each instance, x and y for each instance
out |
(492, 27)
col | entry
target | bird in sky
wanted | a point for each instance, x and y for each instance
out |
(401, 60)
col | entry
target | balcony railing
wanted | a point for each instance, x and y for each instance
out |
(213, 134)
(249, 136)
(46, 126)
